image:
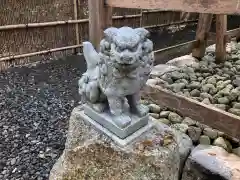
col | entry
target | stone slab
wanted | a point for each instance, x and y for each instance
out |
(106, 121)
(162, 69)
(182, 61)
(117, 140)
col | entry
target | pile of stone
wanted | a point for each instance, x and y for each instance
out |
(199, 133)
(204, 81)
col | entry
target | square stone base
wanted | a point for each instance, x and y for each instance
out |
(127, 135)
(105, 119)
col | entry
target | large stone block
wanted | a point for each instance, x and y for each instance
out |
(182, 61)
(211, 162)
(89, 154)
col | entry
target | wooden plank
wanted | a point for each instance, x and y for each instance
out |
(164, 55)
(100, 17)
(204, 24)
(188, 22)
(203, 6)
(221, 29)
(238, 35)
(205, 114)
(233, 33)
(230, 35)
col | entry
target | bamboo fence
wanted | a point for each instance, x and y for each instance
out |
(41, 30)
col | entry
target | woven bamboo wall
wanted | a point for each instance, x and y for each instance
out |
(20, 41)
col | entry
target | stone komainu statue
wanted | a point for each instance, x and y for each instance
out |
(116, 74)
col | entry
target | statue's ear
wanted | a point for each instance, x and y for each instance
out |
(143, 33)
(110, 33)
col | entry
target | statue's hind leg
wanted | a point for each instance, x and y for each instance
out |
(135, 105)
(102, 103)
(116, 105)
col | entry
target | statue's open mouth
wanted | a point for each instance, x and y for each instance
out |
(126, 62)
(126, 65)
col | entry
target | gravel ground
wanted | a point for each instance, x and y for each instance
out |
(35, 104)
(208, 82)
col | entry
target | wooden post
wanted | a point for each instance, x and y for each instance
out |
(204, 24)
(75, 3)
(141, 18)
(100, 17)
(238, 36)
(221, 29)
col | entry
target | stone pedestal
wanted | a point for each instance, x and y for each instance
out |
(104, 123)
(88, 154)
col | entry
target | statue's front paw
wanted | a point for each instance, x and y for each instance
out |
(99, 107)
(142, 110)
(122, 121)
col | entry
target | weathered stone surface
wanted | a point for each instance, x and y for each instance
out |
(185, 146)
(164, 121)
(204, 140)
(210, 163)
(154, 108)
(174, 117)
(180, 127)
(212, 48)
(177, 87)
(206, 101)
(189, 121)
(221, 106)
(161, 69)
(90, 155)
(236, 151)
(186, 60)
(234, 111)
(221, 143)
(223, 100)
(201, 126)
(154, 115)
(236, 106)
(164, 114)
(195, 93)
(212, 133)
(152, 82)
(194, 85)
(194, 133)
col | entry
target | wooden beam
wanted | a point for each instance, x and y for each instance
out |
(233, 33)
(204, 24)
(203, 6)
(164, 55)
(221, 29)
(100, 17)
(188, 22)
(205, 114)
(19, 56)
(230, 35)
